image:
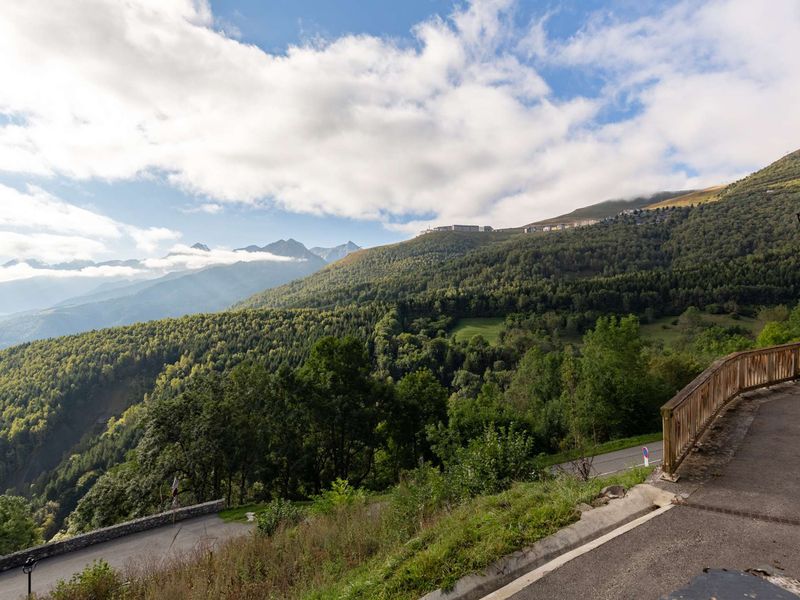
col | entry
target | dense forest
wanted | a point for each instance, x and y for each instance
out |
(254, 433)
(353, 374)
(56, 394)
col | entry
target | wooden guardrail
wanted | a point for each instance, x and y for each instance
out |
(687, 415)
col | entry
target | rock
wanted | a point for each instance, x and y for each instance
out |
(583, 507)
(613, 491)
(763, 569)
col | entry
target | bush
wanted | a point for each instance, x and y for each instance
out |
(277, 513)
(420, 495)
(98, 581)
(340, 495)
(18, 529)
(491, 462)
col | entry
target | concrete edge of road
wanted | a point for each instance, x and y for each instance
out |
(641, 502)
(521, 583)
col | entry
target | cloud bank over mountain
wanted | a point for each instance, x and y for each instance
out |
(462, 124)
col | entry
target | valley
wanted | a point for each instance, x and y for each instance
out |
(433, 351)
(420, 300)
(183, 292)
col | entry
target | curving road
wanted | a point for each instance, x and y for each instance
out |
(605, 464)
(167, 542)
(157, 545)
(739, 515)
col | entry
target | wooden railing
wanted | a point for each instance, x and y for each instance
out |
(687, 415)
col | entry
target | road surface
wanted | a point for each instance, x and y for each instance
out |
(743, 514)
(619, 460)
(147, 546)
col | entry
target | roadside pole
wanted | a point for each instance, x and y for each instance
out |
(27, 568)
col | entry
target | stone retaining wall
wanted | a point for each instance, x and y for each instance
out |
(17, 559)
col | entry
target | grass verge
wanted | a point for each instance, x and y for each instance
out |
(364, 551)
(238, 514)
(471, 537)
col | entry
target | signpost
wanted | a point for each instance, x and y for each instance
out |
(175, 502)
(27, 568)
(646, 456)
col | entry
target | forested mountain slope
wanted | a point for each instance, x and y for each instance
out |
(610, 208)
(742, 249)
(56, 396)
(53, 392)
(383, 273)
(208, 290)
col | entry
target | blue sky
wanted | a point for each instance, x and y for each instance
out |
(274, 26)
(236, 121)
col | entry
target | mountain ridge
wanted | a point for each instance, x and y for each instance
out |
(335, 253)
(609, 208)
(182, 292)
(433, 263)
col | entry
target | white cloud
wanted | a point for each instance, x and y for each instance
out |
(460, 125)
(39, 211)
(25, 271)
(36, 225)
(719, 81)
(53, 248)
(49, 247)
(152, 238)
(209, 208)
(184, 257)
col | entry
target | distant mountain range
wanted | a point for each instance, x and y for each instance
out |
(294, 248)
(38, 292)
(335, 253)
(63, 305)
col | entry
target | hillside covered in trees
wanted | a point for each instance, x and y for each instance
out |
(740, 249)
(352, 373)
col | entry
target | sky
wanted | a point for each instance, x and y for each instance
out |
(132, 129)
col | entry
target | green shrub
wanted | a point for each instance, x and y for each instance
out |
(420, 495)
(491, 462)
(98, 581)
(340, 495)
(18, 528)
(277, 513)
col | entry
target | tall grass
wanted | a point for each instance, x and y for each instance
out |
(418, 540)
(288, 564)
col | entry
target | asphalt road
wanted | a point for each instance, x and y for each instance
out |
(623, 459)
(759, 485)
(154, 546)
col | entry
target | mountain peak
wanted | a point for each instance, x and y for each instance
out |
(335, 253)
(291, 248)
(202, 247)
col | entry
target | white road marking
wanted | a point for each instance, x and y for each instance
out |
(521, 583)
